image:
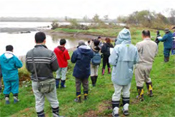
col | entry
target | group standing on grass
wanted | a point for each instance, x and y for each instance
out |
(42, 62)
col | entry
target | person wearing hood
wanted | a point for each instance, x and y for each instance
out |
(147, 49)
(82, 57)
(62, 57)
(106, 53)
(94, 67)
(123, 58)
(9, 65)
(168, 43)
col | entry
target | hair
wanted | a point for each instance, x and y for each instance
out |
(9, 48)
(40, 37)
(99, 37)
(89, 41)
(127, 27)
(96, 42)
(81, 42)
(108, 40)
(158, 32)
(62, 41)
(146, 33)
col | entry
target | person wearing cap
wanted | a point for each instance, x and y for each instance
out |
(9, 64)
(123, 58)
(82, 57)
(147, 50)
(168, 42)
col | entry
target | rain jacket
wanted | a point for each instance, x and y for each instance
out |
(9, 64)
(62, 56)
(123, 58)
(82, 57)
(168, 40)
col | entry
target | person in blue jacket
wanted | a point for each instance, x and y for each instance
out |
(82, 57)
(123, 58)
(168, 43)
(9, 65)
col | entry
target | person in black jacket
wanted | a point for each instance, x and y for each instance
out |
(158, 35)
(106, 53)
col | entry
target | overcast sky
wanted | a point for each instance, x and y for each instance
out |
(79, 8)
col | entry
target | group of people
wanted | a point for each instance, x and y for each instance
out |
(42, 62)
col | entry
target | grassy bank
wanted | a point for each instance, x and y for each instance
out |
(98, 104)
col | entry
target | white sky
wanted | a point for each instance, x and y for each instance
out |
(79, 8)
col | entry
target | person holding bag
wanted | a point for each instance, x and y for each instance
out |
(41, 62)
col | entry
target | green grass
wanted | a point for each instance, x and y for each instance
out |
(161, 105)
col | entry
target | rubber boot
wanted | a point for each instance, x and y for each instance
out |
(63, 83)
(126, 101)
(7, 99)
(150, 89)
(140, 93)
(96, 79)
(15, 97)
(93, 80)
(55, 112)
(85, 95)
(41, 114)
(115, 107)
(103, 71)
(166, 59)
(109, 70)
(57, 83)
(78, 99)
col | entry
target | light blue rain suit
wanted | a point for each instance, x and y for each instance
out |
(123, 58)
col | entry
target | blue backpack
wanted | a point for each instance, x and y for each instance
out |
(96, 60)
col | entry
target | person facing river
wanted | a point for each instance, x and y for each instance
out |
(82, 57)
(106, 53)
(41, 63)
(9, 64)
(123, 58)
(62, 57)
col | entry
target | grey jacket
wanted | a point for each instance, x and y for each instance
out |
(45, 62)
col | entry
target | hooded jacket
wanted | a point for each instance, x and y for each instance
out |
(82, 57)
(123, 58)
(62, 56)
(168, 40)
(9, 64)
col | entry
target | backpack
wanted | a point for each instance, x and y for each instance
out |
(96, 60)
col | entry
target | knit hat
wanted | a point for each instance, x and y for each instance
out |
(124, 35)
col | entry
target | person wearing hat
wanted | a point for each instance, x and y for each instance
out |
(147, 50)
(82, 57)
(168, 42)
(123, 58)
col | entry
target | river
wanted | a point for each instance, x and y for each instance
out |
(23, 42)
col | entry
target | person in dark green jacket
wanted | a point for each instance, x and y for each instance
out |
(168, 42)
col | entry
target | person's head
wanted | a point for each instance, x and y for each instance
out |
(167, 30)
(123, 36)
(89, 42)
(9, 48)
(108, 40)
(146, 34)
(99, 37)
(63, 42)
(96, 42)
(81, 42)
(158, 32)
(173, 28)
(40, 38)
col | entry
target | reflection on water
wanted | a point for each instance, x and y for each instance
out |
(24, 42)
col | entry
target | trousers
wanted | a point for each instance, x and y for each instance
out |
(61, 72)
